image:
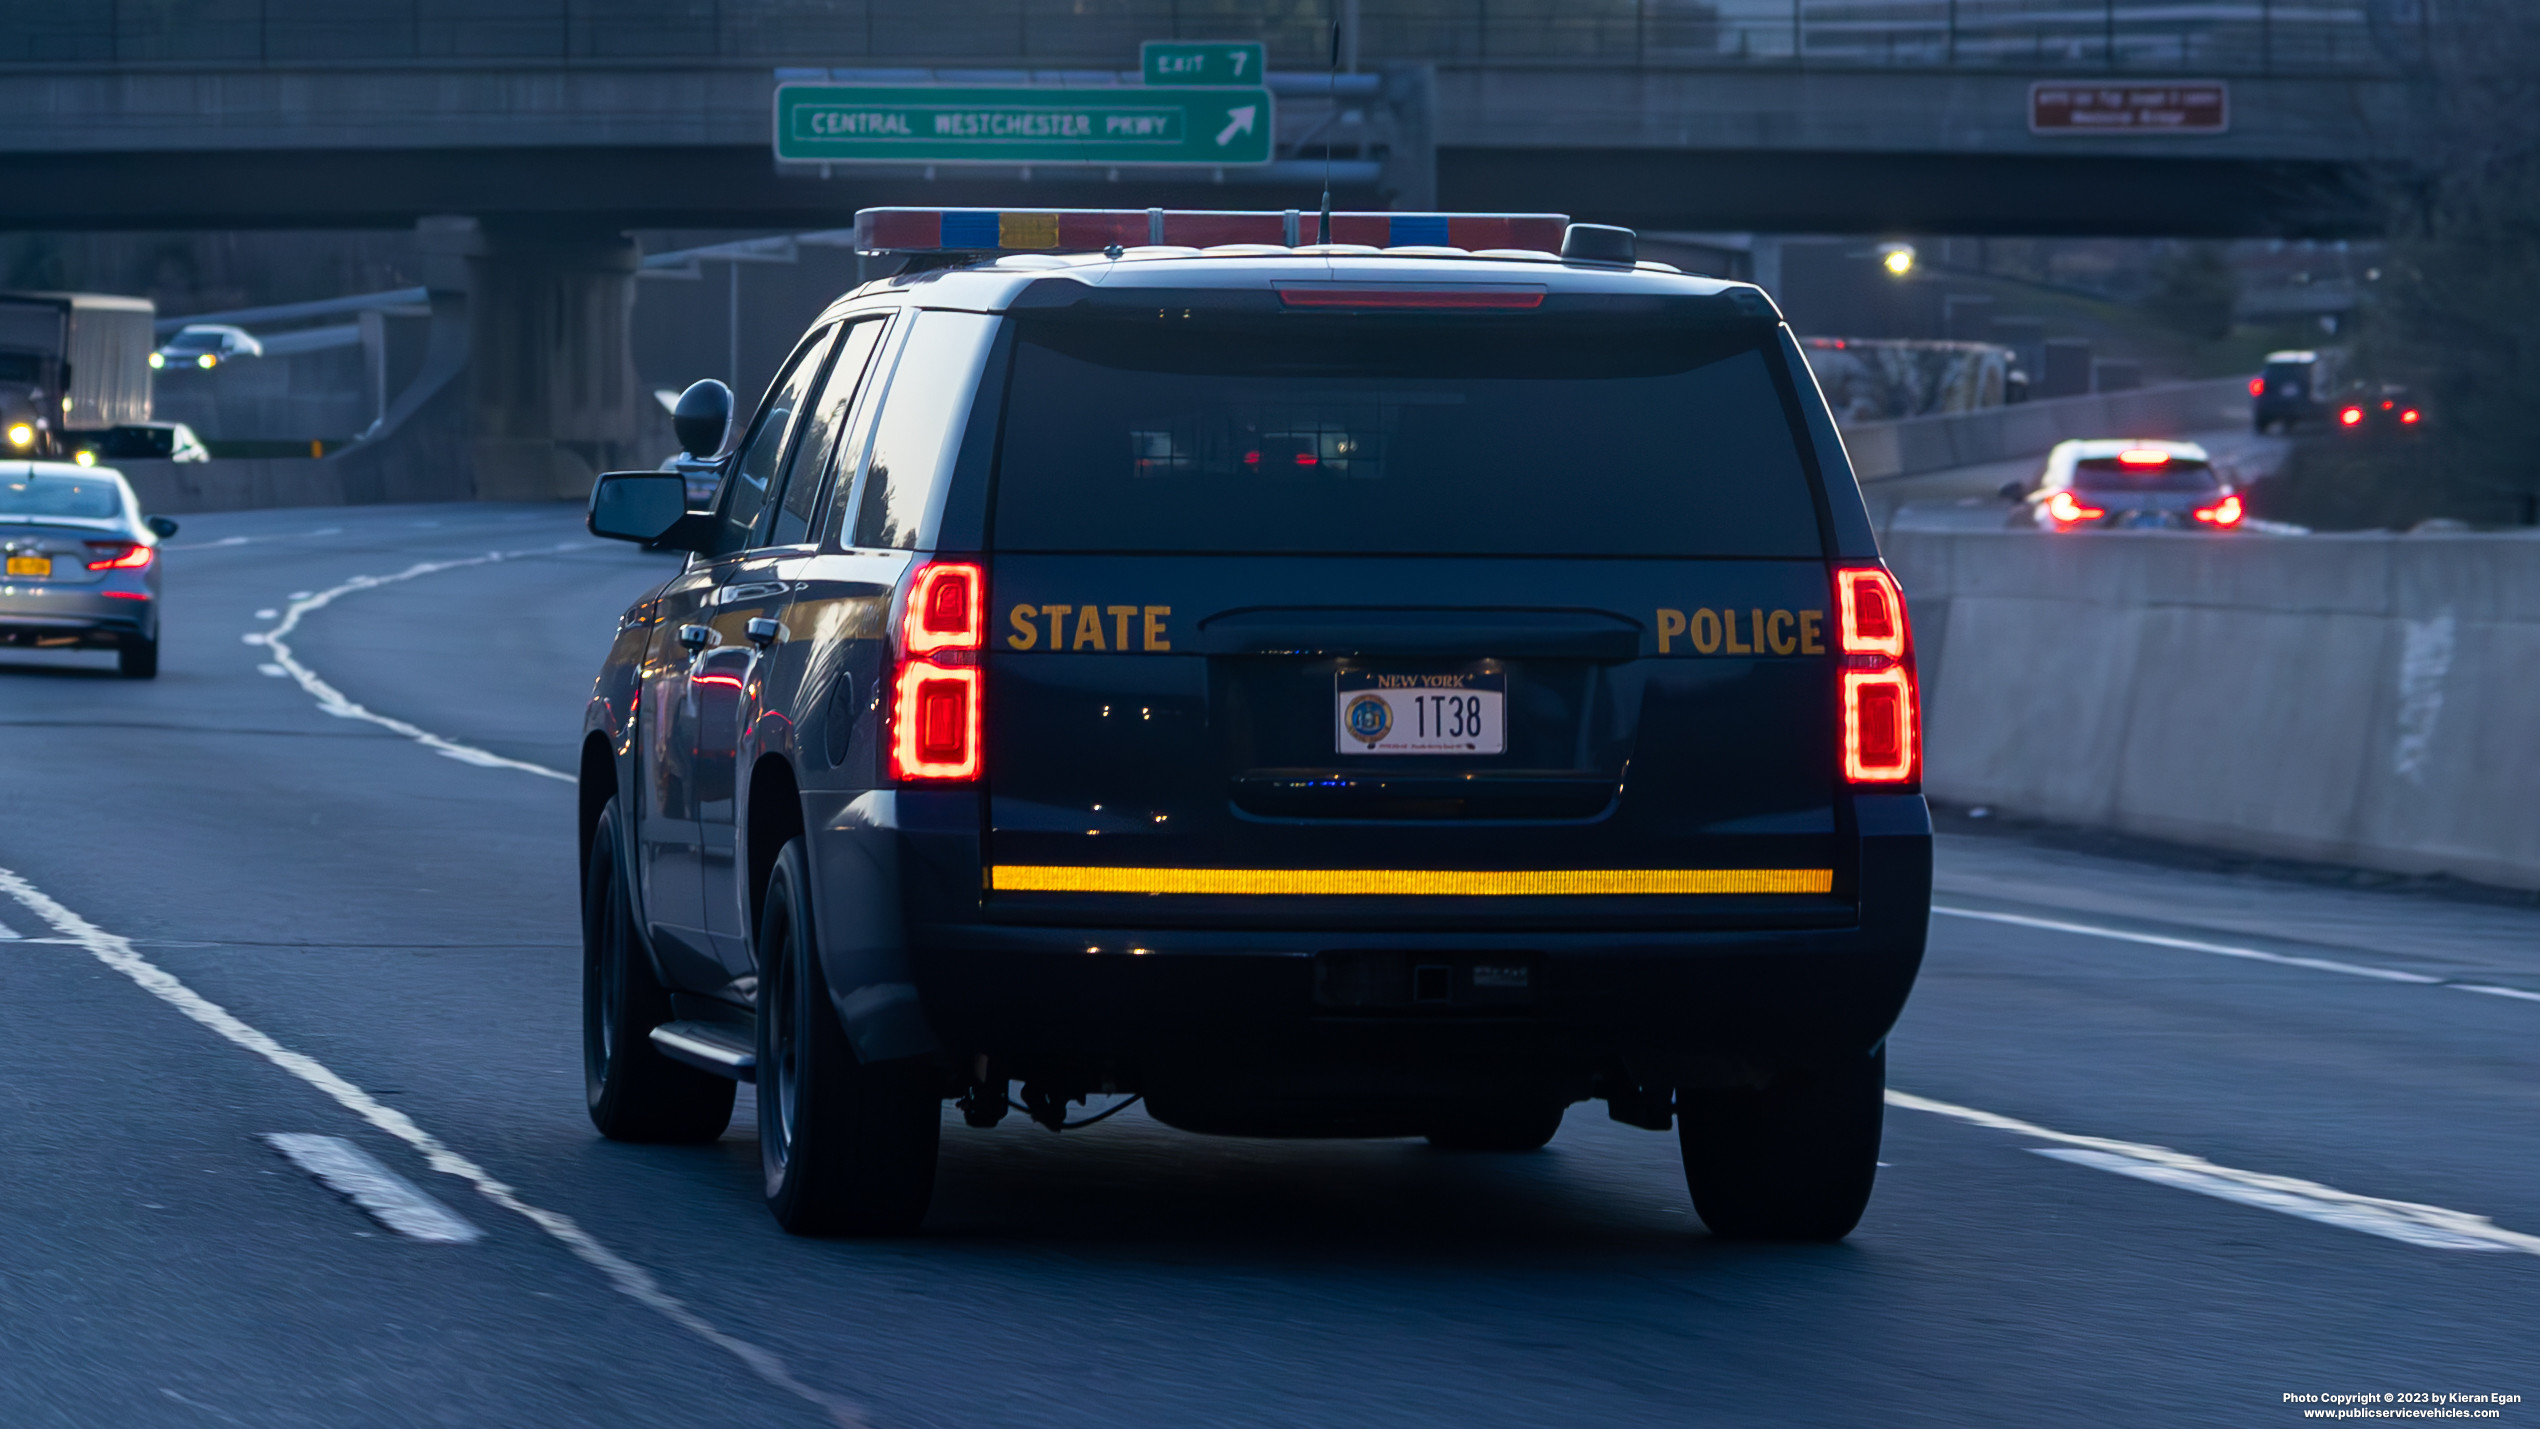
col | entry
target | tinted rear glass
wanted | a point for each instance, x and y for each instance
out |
(2170, 476)
(1332, 436)
(87, 496)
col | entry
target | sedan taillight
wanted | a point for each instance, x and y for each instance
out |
(1882, 724)
(938, 688)
(118, 556)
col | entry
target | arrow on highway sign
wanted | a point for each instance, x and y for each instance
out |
(1022, 124)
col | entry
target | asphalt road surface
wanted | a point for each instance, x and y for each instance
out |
(237, 914)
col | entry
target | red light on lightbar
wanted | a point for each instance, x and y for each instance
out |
(119, 556)
(1454, 298)
(2226, 512)
(2352, 416)
(2065, 508)
(947, 609)
(2143, 456)
(2257, 387)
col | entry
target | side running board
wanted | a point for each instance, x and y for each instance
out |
(722, 1048)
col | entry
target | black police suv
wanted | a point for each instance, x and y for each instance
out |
(1400, 686)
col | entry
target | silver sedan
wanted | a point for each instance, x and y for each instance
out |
(79, 564)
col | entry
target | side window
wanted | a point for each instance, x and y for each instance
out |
(754, 471)
(810, 462)
(918, 435)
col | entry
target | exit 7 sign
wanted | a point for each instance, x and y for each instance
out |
(1201, 62)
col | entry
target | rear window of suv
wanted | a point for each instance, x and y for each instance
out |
(1326, 437)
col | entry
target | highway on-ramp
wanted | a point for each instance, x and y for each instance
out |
(294, 1135)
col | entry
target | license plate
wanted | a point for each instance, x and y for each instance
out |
(1421, 714)
(40, 567)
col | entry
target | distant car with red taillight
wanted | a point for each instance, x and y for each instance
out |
(2127, 485)
(2382, 409)
(1400, 686)
(81, 563)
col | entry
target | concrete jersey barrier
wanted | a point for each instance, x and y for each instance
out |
(1915, 445)
(2358, 699)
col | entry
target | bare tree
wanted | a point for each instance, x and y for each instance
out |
(2460, 304)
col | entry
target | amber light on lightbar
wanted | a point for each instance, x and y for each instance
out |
(1382, 882)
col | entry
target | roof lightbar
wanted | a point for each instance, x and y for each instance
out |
(1086, 230)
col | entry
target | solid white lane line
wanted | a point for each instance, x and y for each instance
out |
(2192, 945)
(333, 701)
(2497, 991)
(357, 1176)
(2435, 1227)
(625, 1276)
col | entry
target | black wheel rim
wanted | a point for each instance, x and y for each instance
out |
(604, 986)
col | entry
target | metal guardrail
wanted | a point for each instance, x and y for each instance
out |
(2210, 37)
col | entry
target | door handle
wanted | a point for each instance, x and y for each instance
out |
(696, 637)
(763, 631)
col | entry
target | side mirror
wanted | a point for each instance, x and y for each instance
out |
(161, 527)
(2014, 491)
(646, 506)
(702, 417)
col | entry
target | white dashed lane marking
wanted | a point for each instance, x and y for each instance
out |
(626, 1277)
(2434, 1227)
(389, 1198)
(2227, 950)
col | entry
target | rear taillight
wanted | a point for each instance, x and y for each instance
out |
(2067, 508)
(2351, 417)
(118, 556)
(2226, 512)
(1882, 725)
(2257, 387)
(937, 690)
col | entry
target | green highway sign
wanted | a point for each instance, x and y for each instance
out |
(1022, 124)
(1202, 61)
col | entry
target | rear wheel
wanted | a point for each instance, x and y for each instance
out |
(1513, 1126)
(635, 1093)
(138, 659)
(845, 1147)
(1790, 1161)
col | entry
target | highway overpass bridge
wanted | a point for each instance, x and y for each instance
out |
(1820, 115)
(557, 125)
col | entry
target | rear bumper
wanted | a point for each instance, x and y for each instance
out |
(1227, 1007)
(79, 617)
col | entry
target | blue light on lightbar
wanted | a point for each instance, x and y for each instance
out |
(1408, 229)
(970, 228)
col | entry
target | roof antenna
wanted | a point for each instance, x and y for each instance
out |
(1323, 226)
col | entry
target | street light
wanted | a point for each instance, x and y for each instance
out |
(1897, 258)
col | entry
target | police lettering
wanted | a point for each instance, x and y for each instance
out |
(1089, 630)
(1753, 631)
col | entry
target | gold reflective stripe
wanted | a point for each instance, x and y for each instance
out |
(1537, 883)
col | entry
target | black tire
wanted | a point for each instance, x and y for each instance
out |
(1793, 1161)
(635, 1093)
(1515, 1126)
(138, 659)
(845, 1148)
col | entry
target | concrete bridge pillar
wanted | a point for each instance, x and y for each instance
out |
(552, 394)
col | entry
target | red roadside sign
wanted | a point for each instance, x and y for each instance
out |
(2171, 106)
